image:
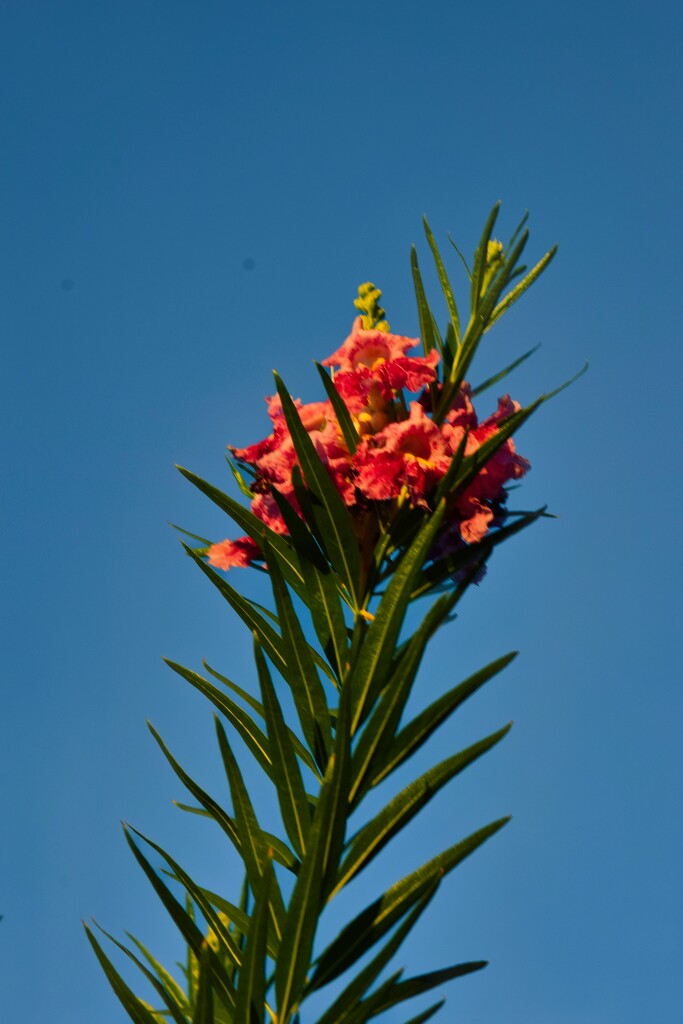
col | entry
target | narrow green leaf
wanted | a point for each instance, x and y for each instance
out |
(417, 731)
(331, 515)
(203, 1011)
(444, 282)
(372, 923)
(322, 856)
(254, 847)
(254, 850)
(182, 920)
(520, 288)
(322, 592)
(380, 729)
(471, 558)
(428, 332)
(197, 894)
(464, 261)
(130, 1002)
(343, 415)
(473, 463)
(210, 807)
(368, 676)
(393, 817)
(481, 257)
(241, 919)
(518, 229)
(173, 996)
(426, 1014)
(164, 976)
(490, 381)
(194, 536)
(348, 999)
(251, 986)
(244, 487)
(248, 522)
(412, 987)
(254, 737)
(301, 674)
(299, 748)
(268, 637)
(451, 474)
(287, 777)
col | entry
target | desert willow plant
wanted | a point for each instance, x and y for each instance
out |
(388, 491)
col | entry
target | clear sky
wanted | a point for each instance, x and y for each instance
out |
(191, 194)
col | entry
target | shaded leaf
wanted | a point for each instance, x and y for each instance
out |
(343, 415)
(416, 732)
(251, 986)
(372, 923)
(331, 515)
(287, 777)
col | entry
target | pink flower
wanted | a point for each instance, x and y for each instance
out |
(369, 348)
(413, 454)
(229, 553)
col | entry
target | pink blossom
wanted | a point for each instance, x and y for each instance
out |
(413, 454)
(369, 348)
(229, 553)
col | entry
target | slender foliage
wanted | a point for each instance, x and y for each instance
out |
(331, 725)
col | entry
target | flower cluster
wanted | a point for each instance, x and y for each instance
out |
(402, 453)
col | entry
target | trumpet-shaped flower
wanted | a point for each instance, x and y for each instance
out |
(412, 454)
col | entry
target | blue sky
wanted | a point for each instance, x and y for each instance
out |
(191, 195)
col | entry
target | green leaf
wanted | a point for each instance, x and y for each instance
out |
(254, 738)
(301, 674)
(299, 748)
(451, 474)
(322, 856)
(203, 1011)
(211, 807)
(268, 637)
(348, 999)
(428, 330)
(194, 536)
(472, 557)
(405, 805)
(252, 526)
(444, 282)
(379, 731)
(424, 724)
(244, 487)
(182, 920)
(240, 918)
(479, 458)
(343, 415)
(165, 986)
(287, 777)
(369, 675)
(481, 257)
(464, 261)
(520, 288)
(196, 893)
(164, 976)
(411, 987)
(372, 923)
(254, 847)
(331, 515)
(490, 381)
(251, 986)
(130, 1002)
(322, 593)
(426, 1014)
